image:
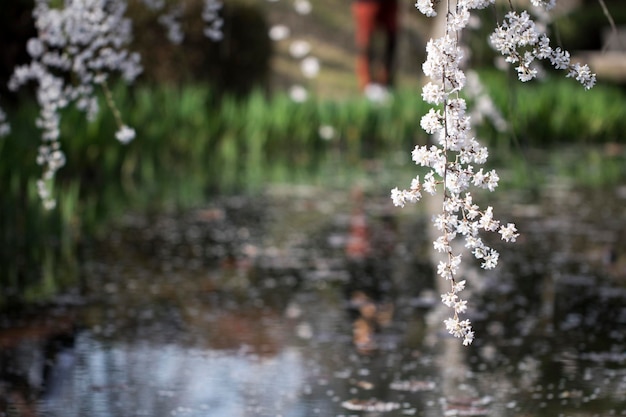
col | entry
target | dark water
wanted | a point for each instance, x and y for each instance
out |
(271, 306)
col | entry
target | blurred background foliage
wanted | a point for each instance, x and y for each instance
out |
(216, 118)
(237, 64)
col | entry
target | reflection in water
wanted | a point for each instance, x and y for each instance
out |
(369, 251)
(266, 313)
(165, 380)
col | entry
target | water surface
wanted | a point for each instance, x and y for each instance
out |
(270, 306)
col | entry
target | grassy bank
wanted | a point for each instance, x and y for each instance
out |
(556, 110)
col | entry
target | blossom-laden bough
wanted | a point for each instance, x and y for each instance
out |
(453, 160)
(82, 42)
(78, 46)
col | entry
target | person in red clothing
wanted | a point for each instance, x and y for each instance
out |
(370, 15)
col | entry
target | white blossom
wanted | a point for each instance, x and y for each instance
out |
(397, 197)
(582, 74)
(560, 59)
(458, 286)
(310, 67)
(430, 184)
(35, 47)
(299, 49)
(490, 259)
(454, 263)
(303, 7)
(433, 93)
(493, 180)
(509, 232)
(426, 7)
(279, 32)
(449, 298)
(125, 134)
(326, 132)
(460, 306)
(441, 244)
(478, 4)
(547, 4)
(443, 270)
(431, 121)
(213, 21)
(522, 42)
(459, 20)
(171, 22)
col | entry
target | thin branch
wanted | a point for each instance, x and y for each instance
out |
(111, 104)
(612, 23)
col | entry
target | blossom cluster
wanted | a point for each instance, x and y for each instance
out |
(452, 162)
(77, 46)
(170, 17)
(170, 20)
(212, 19)
(547, 4)
(520, 41)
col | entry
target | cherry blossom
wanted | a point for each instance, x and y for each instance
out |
(454, 160)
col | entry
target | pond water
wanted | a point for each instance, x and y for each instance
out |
(282, 305)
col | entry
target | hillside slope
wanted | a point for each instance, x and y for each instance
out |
(329, 29)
